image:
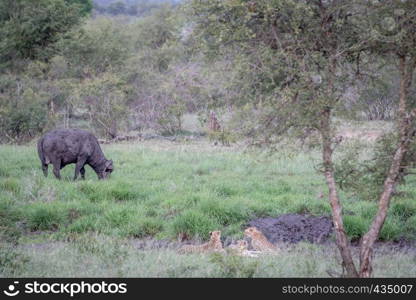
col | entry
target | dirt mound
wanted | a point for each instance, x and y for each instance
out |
(293, 228)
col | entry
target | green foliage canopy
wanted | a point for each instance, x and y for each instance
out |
(290, 55)
(85, 5)
(28, 27)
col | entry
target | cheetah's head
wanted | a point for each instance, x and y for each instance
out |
(215, 235)
(252, 232)
(242, 244)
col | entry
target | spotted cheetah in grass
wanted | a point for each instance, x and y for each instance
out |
(239, 247)
(259, 241)
(214, 245)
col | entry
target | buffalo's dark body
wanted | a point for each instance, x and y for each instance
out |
(72, 146)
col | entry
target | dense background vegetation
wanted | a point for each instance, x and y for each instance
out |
(61, 58)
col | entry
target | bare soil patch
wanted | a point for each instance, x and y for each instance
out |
(293, 228)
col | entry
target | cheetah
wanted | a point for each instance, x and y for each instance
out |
(259, 241)
(214, 245)
(239, 247)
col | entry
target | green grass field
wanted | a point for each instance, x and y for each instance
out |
(162, 189)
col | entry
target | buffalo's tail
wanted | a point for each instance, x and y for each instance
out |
(42, 158)
(40, 151)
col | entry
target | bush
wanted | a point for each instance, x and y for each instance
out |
(410, 228)
(232, 266)
(194, 224)
(84, 224)
(100, 45)
(104, 100)
(365, 177)
(11, 185)
(223, 212)
(9, 232)
(392, 230)
(24, 117)
(225, 137)
(144, 227)
(44, 217)
(355, 226)
(404, 210)
(28, 28)
(376, 97)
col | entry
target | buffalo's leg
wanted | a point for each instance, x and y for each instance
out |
(82, 171)
(80, 165)
(57, 168)
(45, 169)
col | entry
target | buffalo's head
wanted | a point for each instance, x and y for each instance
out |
(106, 169)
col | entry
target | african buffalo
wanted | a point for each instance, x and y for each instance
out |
(72, 146)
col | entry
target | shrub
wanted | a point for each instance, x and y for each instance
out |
(44, 217)
(355, 226)
(223, 212)
(9, 232)
(392, 230)
(404, 210)
(232, 266)
(144, 227)
(223, 136)
(372, 171)
(410, 228)
(84, 224)
(194, 224)
(11, 185)
(24, 117)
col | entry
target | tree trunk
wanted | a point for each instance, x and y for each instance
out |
(405, 124)
(341, 237)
